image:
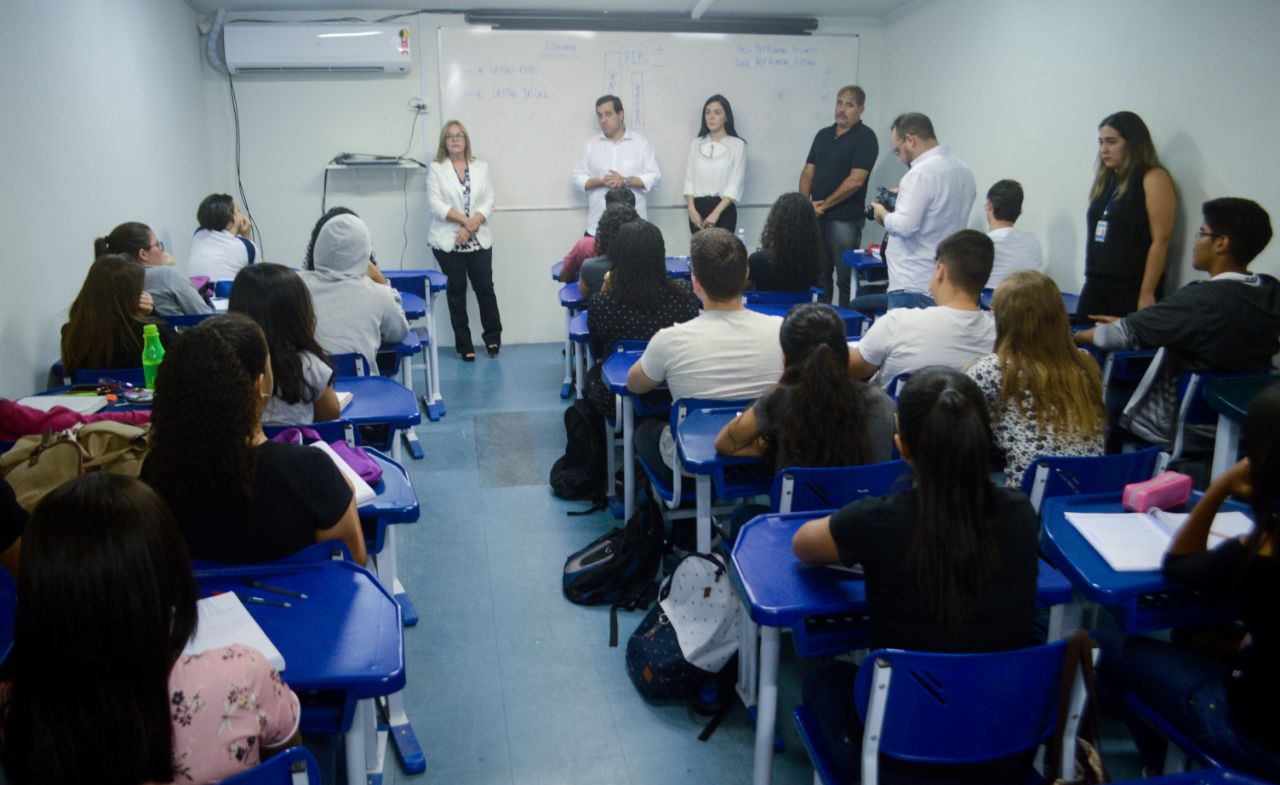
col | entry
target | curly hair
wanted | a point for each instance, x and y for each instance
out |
(825, 415)
(614, 218)
(639, 276)
(206, 414)
(791, 236)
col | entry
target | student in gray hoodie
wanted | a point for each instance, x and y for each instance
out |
(353, 312)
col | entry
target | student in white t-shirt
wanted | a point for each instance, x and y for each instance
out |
(222, 245)
(1015, 249)
(726, 353)
(952, 333)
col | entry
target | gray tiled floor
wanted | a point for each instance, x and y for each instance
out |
(508, 683)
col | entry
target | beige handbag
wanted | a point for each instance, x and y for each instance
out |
(37, 464)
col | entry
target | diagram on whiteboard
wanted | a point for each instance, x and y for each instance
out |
(624, 76)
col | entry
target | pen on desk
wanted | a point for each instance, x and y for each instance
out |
(262, 601)
(297, 595)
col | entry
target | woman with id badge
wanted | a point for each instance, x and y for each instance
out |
(1130, 219)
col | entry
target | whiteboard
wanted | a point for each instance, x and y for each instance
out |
(528, 102)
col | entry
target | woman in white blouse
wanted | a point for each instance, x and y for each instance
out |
(714, 175)
(461, 199)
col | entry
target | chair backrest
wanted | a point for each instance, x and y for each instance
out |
(803, 489)
(8, 612)
(294, 766)
(330, 431)
(752, 297)
(1193, 408)
(1050, 476)
(181, 321)
(896, 384)
(222, 289)
(133, 376)
(940, 709)
(349, 364)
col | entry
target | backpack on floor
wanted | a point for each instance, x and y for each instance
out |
(618, 568)
(688, 638)
(579, 474)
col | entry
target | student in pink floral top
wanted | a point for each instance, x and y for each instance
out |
(99, 690)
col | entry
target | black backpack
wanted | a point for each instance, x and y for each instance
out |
(579, 474)
(618, 568)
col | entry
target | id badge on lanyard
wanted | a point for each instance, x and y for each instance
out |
(1100, 230)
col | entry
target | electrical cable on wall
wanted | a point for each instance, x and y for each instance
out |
(244, 201)
(404, 189)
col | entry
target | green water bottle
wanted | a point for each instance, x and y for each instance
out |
(152, 353)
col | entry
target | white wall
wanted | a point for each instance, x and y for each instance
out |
(103, 123)
(1018, 87)
(292, 125)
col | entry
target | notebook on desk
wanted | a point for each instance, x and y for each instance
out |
(364, 493)
(1137, 541)
(223, 621)
(81, 404)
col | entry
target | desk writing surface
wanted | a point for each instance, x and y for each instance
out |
(1232, 396)
(555, 270)
(415, 307)
(378, 399)
(852, 319)
(678, 267)
(696, 440)
(346, 636)
(578, 330)
(570, 295)
(616, 368)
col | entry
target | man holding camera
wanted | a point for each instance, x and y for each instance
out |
(934, 200)
(835, 176)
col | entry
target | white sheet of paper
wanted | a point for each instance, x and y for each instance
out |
(223, 621)
(344, 398)
(82, 404)
(364, 494)
(1128, 541)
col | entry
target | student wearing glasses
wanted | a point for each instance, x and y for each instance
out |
(170, 292)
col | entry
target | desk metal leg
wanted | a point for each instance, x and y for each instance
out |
(434, 402)
(767, 708)
(748, 659)
(704, 513)
(365, 746)
(566, 389)
(580, 363)
(611, 465)
(412, 759)
(1065, 619)
(628, 457)
(1226, 445)
(410, 436)
(389, 576)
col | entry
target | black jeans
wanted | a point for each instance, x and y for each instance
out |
(837, 237)
(478, 266)
(705, 204)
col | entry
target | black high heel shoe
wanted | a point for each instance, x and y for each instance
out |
(467, 357)
(493, 349)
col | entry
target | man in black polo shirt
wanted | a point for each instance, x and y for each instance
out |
(835, 176)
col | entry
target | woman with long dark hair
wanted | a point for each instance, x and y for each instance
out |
(238, 497)
(99, 690)
(275, 297)
(1132, 207)
(791, 247)
(816, 415)
(171, 292)
(1229, 706)
(591, 276)
(716, 169)
(104, 326)
(639, 300)
(1044, 394)
(950, 564)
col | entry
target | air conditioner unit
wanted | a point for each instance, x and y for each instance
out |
(260, 48)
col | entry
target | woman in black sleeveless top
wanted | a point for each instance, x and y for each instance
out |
(1130, 218)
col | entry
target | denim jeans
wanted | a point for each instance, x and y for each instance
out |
(903, 298)
(837, 237)
(1184, 687)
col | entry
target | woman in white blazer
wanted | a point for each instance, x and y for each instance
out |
(461, 199)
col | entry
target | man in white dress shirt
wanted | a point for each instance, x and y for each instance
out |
(614, 158)
(934, 200)
(1015, 249)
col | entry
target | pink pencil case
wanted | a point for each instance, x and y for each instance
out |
(1162, 491)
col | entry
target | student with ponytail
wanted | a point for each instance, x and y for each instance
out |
(816, 415)
(950, 564)
(171, 292)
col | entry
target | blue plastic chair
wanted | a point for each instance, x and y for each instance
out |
(722, 482)
(222, 289)
(897, 383)
(1193, 408)
(1049, 476)
(752, 297)
(1177, 739)
(952, 709)
(803, 489)
(294, 766)
(349, 364)
(8, 612)
(133, 376)
(181, 321)
(867, 269)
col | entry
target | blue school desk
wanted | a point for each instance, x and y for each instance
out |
(378, 400)
(580, 336)
(614, 374)
(854, 322)
(779, 592)
(424, 286)
(696, 443)
(1141, 601)
(401, 360)
(677, 267)
(358, 650)
(1230, 398)
(572, 301)
(1069, 301)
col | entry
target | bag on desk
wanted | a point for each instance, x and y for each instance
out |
(690, 635)
(579, 474)
(37, 464)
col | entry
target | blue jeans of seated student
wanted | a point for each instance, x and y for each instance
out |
(837, 237)
(1184, 687)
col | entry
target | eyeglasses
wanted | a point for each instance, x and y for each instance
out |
(1202, 233)
(455, 137)
(159, 245)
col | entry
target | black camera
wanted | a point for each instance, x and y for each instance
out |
(886, 199)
